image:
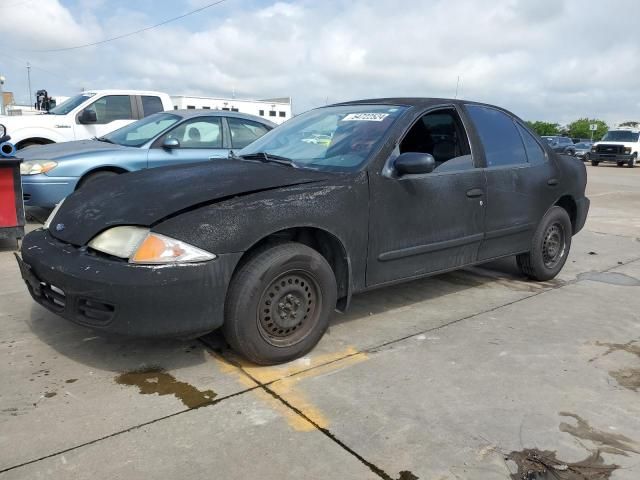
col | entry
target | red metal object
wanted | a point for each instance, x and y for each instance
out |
(11, 204)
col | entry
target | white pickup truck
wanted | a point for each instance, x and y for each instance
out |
(90, 114)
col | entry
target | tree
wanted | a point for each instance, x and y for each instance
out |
(580, 128)
(544, 128)
(630, 124)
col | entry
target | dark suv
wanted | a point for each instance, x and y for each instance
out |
(561, 144)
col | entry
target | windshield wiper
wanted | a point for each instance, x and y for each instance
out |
(267, 158)
(102, 139)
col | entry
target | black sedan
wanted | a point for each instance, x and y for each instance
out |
(268, 243)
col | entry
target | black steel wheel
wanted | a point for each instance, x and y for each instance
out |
(290, 308)
(279, 303)
(549, 247)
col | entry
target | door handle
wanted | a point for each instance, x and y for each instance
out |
(475, 192)
(552, 182)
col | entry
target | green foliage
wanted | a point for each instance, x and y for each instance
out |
(544, 128)
(580, 128)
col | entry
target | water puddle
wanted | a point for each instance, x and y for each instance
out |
(156, 380)
(612, 278)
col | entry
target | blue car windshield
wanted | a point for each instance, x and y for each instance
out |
(338, 138)
(138, 133)
(71, 103)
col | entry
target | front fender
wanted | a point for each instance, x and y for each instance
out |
(20, 134)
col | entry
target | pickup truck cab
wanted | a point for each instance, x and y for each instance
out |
(620, 145)
(89, 114)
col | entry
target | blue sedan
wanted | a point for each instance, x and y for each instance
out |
(51, 172)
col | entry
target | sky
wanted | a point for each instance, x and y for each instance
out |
(551, 60)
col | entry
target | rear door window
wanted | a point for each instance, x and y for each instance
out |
(535, 154)
(151, 104)
(111, 108)
(499, 136)
(200, 132)
(244, 132)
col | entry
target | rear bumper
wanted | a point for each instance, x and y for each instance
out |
(43, 191)
(582, 210)
(118, 297)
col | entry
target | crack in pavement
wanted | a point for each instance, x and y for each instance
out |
(266, 385)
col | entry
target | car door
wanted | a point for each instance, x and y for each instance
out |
(199, 139)
(110, 113)
(521, 181)
(432, 222)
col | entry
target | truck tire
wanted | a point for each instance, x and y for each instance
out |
(279, 303)
(95, 177)
(594, 163)
(620, 164)
(632, 160)
(549, 248)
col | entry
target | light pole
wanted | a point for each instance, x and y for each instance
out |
(1, 95)
(29, 82)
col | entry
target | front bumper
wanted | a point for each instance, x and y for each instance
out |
(123, 298)
(609, 157)
(43, 191)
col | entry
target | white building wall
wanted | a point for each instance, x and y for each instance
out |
(276, 111)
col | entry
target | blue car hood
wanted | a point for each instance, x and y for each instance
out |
(60, 151)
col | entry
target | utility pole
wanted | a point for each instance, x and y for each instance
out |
(29, 82)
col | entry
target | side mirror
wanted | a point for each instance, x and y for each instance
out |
(170, 143)
(87, 116)
(414, 163)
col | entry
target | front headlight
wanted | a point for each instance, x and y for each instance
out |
(139, 245)
(53, 213)
(3, 130)
(594, 148)
(34, 167)
(627, 149)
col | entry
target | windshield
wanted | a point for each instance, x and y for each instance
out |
(138, 133)
(71, 103)
(621, 136)
(337, 138)
(550, 139)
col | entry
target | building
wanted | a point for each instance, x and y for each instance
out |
(278, 110)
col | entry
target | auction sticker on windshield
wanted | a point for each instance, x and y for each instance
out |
(365, 117)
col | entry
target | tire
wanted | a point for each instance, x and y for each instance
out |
(594, 163)
(632, 161)
(549, 248)
(620, 164)
(275, 288)
(95, 177)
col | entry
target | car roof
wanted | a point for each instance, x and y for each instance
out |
(201, 112)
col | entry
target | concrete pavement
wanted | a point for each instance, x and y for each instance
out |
(477, 374)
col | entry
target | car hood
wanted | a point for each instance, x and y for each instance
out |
(66, 150)
(147, 197)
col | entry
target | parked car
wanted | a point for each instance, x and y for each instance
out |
(581, 140)
(620, 145)
(561, 144)
(582, 149)
(51, 172)
(267, 243)
(90, 114)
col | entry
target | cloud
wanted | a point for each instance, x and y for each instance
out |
(547, 59)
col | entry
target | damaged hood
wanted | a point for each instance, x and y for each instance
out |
(150, 196)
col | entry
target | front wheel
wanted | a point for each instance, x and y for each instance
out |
(95, 177)
(594, 163)
(632, 161)
(279, 303)
(549, 248)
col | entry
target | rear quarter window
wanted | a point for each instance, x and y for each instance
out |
(151, 104)
(499, 136)
(535, 154)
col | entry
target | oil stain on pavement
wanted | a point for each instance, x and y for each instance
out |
(626, 377)
(534, 464)
(156, 380)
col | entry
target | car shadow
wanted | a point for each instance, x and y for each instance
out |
(121, 354)
(111, 352)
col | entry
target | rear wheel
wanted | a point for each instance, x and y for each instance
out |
(279, 303)
(549, 248)
(95, 177)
